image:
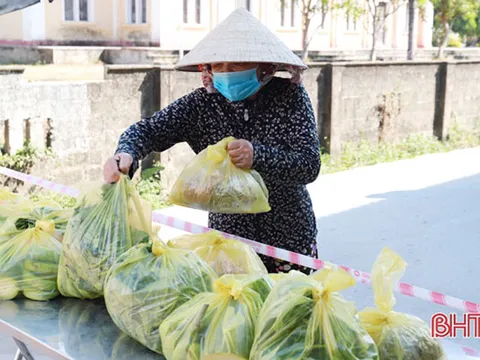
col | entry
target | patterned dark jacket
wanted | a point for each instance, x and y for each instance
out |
(280, 124)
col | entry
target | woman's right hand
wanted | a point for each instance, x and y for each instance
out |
(120, 163)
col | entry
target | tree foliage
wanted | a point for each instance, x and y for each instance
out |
(468, 27)
(462, 13)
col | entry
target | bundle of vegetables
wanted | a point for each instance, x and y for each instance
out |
(6, 198)
(212, 182)
(218, 322)
(225, 256)
(107, 222)
(304, 318)
(398, 336)
(147, 283)
(81, 320)
(29, 252)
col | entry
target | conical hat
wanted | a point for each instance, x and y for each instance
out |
(239, 38)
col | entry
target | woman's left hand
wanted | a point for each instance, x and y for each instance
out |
(241, 153)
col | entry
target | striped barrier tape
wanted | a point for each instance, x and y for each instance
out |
(299, 259)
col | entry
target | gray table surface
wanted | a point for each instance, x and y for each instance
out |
(68, 329)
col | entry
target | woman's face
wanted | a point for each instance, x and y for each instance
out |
(232, 67)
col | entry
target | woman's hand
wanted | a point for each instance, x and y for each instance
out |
(116, 164)
(241, 153)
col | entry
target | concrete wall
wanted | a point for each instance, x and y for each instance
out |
(21, 55)
(380, 102)
(85, 118)
(462, 95)
(376, 101)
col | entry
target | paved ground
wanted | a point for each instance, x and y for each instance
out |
(426, 209)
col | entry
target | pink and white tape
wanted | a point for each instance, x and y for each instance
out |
(299, 259)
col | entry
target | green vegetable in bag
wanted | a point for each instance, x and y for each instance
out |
(398, 336)
(305, 318)
(213, 183)
(104, 225)
(218, 322)
(29, 252)
(225, 256)
(146, 284)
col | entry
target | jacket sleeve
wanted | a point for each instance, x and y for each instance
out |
(159, 132)
(299, 161)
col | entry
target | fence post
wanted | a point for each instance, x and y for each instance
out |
(443, 105)
(324, 81)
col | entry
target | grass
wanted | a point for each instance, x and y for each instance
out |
(38, 194)
(365, 153)
(152, 191)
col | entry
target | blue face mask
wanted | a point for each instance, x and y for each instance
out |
(238, 85)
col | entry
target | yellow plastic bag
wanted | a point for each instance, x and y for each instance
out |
(107, 222)
(305, 318)
(212, 182)
(276, 277)
(8, 197)
(225, 256)
(398, 336)
(29, 256)
(146, 284)
(218, 322)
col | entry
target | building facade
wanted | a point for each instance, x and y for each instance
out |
(180, 24)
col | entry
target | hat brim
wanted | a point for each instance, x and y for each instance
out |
(198, 67)
(240, 38)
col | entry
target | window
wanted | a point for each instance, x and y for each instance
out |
(192, 11)
(381, 13)
(243, 3)
(287, 13)
(136, 11)
(78, 10)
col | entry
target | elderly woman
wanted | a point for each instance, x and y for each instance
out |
(271, 117)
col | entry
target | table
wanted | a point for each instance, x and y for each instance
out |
(67, 329)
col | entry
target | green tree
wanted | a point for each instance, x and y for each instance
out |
(447, 12)
(468, 28)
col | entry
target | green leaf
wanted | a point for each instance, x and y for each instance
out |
(148, 173)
